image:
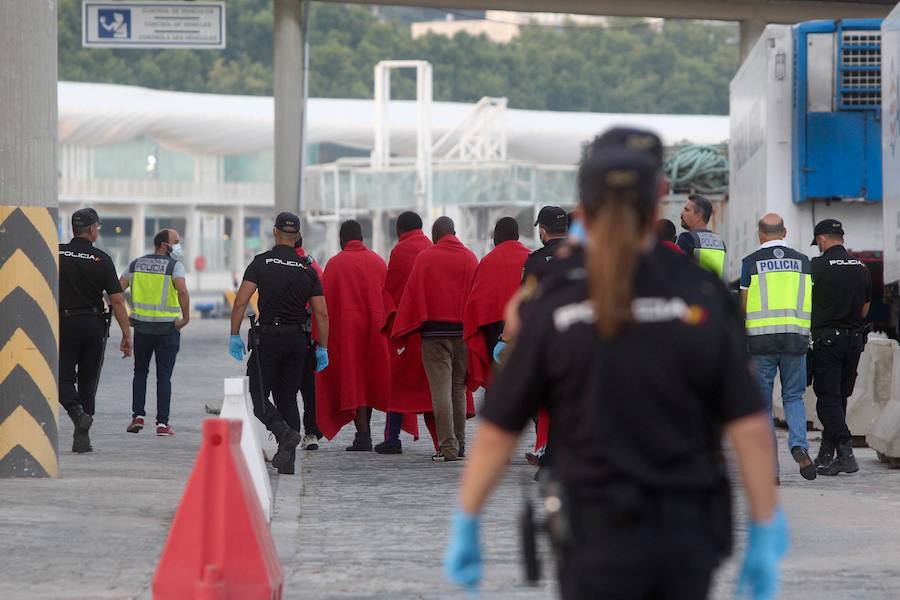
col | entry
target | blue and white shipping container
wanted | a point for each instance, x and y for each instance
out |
(806, 129)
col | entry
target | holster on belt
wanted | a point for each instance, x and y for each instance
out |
(253, 334)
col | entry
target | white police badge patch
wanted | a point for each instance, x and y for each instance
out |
(779, 253)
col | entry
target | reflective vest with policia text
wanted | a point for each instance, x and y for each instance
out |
(709, 251)
(153, 294)
(779, 299)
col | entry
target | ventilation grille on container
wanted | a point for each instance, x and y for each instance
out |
(860, 70)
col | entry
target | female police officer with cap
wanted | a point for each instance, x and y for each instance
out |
(640, 462)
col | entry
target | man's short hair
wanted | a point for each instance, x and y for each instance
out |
(704, 206)
(771, 228)
(161, 238)
(443, 226)
(506, 230)
(665, 230)
(350, 230)
(408, 221)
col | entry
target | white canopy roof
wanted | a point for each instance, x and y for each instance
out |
(96, 114)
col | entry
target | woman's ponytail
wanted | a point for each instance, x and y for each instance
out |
(611, 264)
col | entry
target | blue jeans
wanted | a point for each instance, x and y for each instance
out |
(793, 384)
(165, 347)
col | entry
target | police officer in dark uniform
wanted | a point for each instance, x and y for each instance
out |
(85, 273)
(569, 255)
(842, 293)
(280, 339)
(552, 224)
(640, 358)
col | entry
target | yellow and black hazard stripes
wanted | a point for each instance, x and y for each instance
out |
(29, 342)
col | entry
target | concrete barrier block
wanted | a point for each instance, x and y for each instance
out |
(873, 382)
(870, 394)
(884, 436)
(236, 405)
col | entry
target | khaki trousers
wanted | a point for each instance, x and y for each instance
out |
(445, 361)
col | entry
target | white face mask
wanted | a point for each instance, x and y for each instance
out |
(175, 253)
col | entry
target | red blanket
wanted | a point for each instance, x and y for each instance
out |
(359, 371)
(409, 385)
(673, 247)
(543, 429)
(498, 277)
(437, 289)
(408, 380)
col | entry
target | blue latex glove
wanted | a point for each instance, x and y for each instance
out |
(462, 559)
(321, 358)
(577, 232)
(498, 349)
(236, 348)
(767, 543)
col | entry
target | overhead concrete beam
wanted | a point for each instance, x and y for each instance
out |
(772, 11)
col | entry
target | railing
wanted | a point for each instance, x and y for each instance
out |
(199, 193)
(347, 187)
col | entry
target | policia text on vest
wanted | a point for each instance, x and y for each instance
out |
(153, 294)
(707, 248)
(778, 286)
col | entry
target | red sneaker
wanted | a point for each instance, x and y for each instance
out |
(164, 429)
(136, 425)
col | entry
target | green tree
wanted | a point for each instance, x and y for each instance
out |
(626, 67)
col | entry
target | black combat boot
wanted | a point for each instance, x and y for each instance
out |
(81, 440)
(844, 463)
(825, 455)
(362, 442)
(288, 440)
(288, 468)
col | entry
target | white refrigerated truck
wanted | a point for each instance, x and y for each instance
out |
(890, 153)
(806, 142)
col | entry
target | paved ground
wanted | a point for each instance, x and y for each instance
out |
(359, 526)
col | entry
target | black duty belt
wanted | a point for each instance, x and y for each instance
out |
(278, 327)
(65, 313)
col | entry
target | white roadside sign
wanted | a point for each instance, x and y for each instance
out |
(153, 24)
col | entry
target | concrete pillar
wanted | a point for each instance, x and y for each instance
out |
(136, 246)
(751, 30)
(379, 241)
(191, 239)
(29, 309)
(237, 241)
(290, 100)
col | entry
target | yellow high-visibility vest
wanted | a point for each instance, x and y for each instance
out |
(709, 251)
(779, 299)
(153, 294)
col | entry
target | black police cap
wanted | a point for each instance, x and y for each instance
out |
(553, 218)
(84, 217)
(827, 227)
(627, 173)
(287, 222)
(628, 138)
